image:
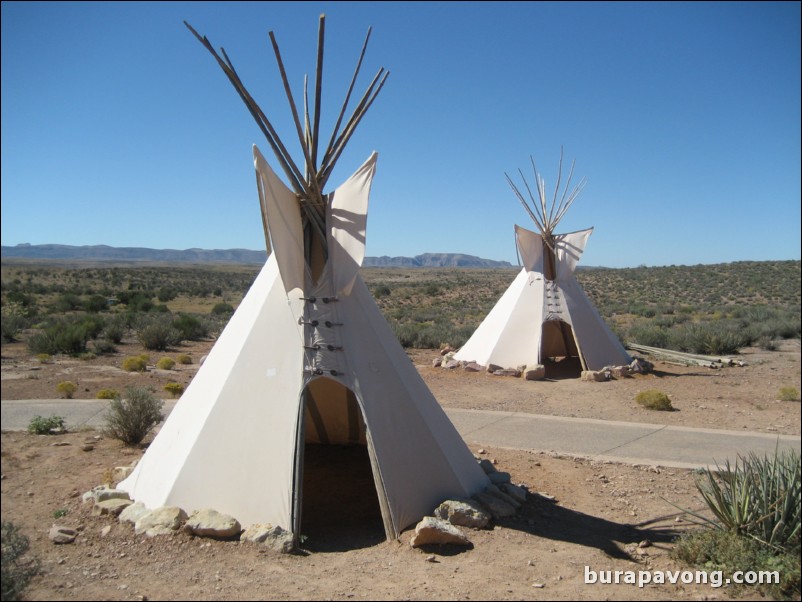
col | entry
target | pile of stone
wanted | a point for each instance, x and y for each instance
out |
(538, 372)
(500, 499)
(167, 520)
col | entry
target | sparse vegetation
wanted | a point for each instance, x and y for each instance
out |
(17, 568)
(713, 309)
(158, 333)
(107, 394)
(174, 389)
(654, 400)
(165, 363)
(135, 364)
(756, 524)
(184, 359)
(131, 418)
(47, 426)
(67, 388)
(789, 394)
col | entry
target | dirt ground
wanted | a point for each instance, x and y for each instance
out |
(583, 516)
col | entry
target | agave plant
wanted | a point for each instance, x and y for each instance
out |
(758, 497)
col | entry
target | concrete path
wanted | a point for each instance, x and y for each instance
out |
(628, 442)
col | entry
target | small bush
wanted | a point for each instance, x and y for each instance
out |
(717, 550)
(115, 330)
(190, 327)
(134, 364)
(44, 358)
(47, 426)
(222, 309)
(104, 346)
(174, 389)
(158, 334)
(107, 394)
(129, 419)
(654, 400)
(166, 363)
(67, 388)
(17, 570)
(184, 359)
(789, 394)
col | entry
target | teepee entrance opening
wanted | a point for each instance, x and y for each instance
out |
(339, 506)
(558, 350)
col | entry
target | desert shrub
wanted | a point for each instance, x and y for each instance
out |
(184, 359)
(67, 302)
(42, 343)
(68, 335)
(103, 346)
(158, 334)
(726, 551)
(714, 338)
(767, 343)
(11, 326)
(130, 418)
(47, 426)
(136, 301)
(166, 294)
(381, 290)
(191, 327)
(166, 363)
(115, 330)
(96, 304)
(71, 338)
(789, 394)
(654, 400)
(222, 309)
(134, 364)
(174, 389)
(646, 333)
(67, 388)
(107, 394)
(17, 569)
(44, 358)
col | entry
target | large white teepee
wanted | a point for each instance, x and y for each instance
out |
(306, 359)
(544, 315)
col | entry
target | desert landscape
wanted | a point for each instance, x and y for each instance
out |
(581, 513)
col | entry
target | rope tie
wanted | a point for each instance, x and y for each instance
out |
(319, 347)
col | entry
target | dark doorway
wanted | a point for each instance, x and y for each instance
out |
(340, 506)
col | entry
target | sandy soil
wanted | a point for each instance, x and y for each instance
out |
(592, 515)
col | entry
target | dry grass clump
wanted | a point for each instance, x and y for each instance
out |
(654, 400)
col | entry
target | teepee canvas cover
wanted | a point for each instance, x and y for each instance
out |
(545, 313)
(306, 358)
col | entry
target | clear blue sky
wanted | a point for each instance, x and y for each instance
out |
(118, 127)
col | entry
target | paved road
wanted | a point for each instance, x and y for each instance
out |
(628, 442)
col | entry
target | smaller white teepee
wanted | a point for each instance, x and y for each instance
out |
(545, 314)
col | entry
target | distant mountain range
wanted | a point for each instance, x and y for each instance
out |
(96, 253)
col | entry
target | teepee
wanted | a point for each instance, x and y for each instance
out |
(544, 317)
(306, 360)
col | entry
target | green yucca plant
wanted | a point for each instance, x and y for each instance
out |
(758, 497)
